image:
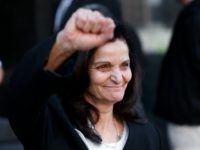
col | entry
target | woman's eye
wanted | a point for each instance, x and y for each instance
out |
(105, 67)
(125, 65)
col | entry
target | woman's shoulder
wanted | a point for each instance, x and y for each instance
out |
(143, 128)
(143, 135)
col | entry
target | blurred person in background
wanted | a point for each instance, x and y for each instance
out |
(178, 99)
(17, 30)
(66, 7)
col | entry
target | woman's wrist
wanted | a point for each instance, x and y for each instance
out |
(58, 55)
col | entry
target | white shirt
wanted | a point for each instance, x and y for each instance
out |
(119, 145)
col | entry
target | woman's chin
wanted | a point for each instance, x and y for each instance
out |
(116, 98)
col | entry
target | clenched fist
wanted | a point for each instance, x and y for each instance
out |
(84, 30)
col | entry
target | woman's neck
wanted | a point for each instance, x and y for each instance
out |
(108, 127)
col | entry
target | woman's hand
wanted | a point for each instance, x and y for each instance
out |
(84, 30)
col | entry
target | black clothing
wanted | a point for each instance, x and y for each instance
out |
(41, 120)
(17, 30)
(179, 85)
(114, 10)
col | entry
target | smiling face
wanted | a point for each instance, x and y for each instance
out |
(109, 72)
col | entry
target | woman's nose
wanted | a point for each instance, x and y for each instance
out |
(116, 76)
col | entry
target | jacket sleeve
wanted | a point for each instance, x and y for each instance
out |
(28, 90)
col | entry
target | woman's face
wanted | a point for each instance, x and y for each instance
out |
(109, 72)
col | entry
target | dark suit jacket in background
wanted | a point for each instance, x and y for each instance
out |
(112, 5)
(179, 85)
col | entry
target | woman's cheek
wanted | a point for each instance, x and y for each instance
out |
(99, 77)
(128, 75)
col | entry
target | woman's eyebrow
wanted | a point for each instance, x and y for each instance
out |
(100, 62)
(105, 62)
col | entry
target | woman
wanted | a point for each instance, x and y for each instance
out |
(84, 93)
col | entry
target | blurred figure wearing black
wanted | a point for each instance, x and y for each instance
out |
(178, 98)
(67, 7)
(17, 30)
(17, 34)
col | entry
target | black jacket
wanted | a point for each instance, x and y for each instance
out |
(178, 98)
(40, 119)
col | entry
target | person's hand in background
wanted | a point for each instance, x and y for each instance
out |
(1, 72)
